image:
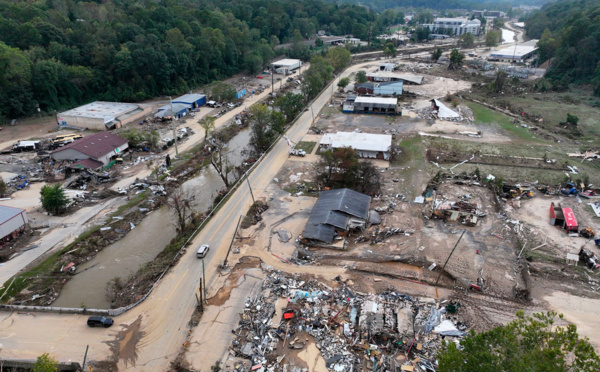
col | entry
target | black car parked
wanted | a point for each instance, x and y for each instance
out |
(100, 321)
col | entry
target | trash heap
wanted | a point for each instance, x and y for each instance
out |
(353, 331)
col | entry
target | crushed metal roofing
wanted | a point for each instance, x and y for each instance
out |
(358, 141)
(333, 209)
(96, 145)
(107, 111)
(189, 98)
(8, 213)
(444, 111)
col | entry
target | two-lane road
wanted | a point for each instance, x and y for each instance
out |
(165, 315)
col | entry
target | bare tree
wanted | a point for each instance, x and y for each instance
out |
(221, 164)
(208, 124)
(181, 204)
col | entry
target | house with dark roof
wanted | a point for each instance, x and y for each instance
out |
(334, 213)
(12, 222)
(93, 151)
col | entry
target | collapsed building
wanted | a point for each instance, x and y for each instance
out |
(353, 331)
(334, 214)
(12, 223)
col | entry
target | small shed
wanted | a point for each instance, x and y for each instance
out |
(193, 100)
(12, 222)
(240, 93)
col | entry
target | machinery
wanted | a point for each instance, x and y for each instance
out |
(587, 233)
(294, 151)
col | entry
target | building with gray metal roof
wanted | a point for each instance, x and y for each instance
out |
(193, 100)
(339, 209)
(12, 222)
(101, 115)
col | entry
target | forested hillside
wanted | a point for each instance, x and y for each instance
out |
(60, 53)
(569, 32)
(505, 5)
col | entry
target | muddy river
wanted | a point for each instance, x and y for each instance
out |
(121, 259)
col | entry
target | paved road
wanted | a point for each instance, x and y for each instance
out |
(166, 313)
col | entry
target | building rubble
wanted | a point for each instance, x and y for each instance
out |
(353, 331)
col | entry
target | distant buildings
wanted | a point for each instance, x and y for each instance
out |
(455, 26)
(517, 53)
(286, 66)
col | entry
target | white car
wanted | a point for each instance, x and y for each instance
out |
(202, 251)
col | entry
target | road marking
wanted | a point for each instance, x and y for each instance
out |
(177, 285)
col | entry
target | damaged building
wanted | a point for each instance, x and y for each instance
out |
(12, 223)
(334, 214)
(102, 115)
(93, 152)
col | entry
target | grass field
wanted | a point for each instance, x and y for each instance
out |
(306, 146)
(484, 115)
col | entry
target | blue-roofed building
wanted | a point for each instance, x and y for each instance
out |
(179, 109)
(240, 93)
(193, 100)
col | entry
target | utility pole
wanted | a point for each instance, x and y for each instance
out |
(203, 280)
(448, 259)
(85, 357)
(250, 187)
(232, 240)
(174, 127)
(272, 81)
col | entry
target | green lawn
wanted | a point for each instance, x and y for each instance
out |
(484, 115)
(307, 146)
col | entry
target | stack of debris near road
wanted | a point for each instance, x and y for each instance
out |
(353, 331)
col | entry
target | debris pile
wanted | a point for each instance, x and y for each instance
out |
(353, 331)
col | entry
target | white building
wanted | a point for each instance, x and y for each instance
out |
(12, 222)
(373, 146)
(286, 66)
(455, 26)
(102, 115)
(517, 53)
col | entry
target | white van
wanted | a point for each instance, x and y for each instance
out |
(202, 251)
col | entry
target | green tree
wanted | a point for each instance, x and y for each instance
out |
(498, 23)
(208, 124)
(319, 42)
(45, 363)
(339, 58)
(492, 38)
(527, 343)
(2, 187)
(436, 54)
(316, 77)
(221, 91)
(390, 50)
(546, 46)
(289, 104)
(361, 77)
(456, 59)
(467, 40)
(343, 83)
(338, 168)
(421, 34)
(53, 198)
(265, 125)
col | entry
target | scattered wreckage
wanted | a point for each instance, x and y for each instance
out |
(353, 331)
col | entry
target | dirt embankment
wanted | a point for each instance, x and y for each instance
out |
(449, 157)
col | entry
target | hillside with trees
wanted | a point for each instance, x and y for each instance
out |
(569, 33)
(56, 54)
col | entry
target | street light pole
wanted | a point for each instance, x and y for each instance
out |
(174, 126)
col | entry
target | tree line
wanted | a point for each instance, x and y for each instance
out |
(57, 54)
(569, 36)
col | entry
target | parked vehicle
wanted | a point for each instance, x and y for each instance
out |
(63, 139)
(297, 152)
(100, 321)
(26, 146)
(202, 251)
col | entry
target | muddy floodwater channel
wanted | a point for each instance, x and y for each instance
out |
(141, 245)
